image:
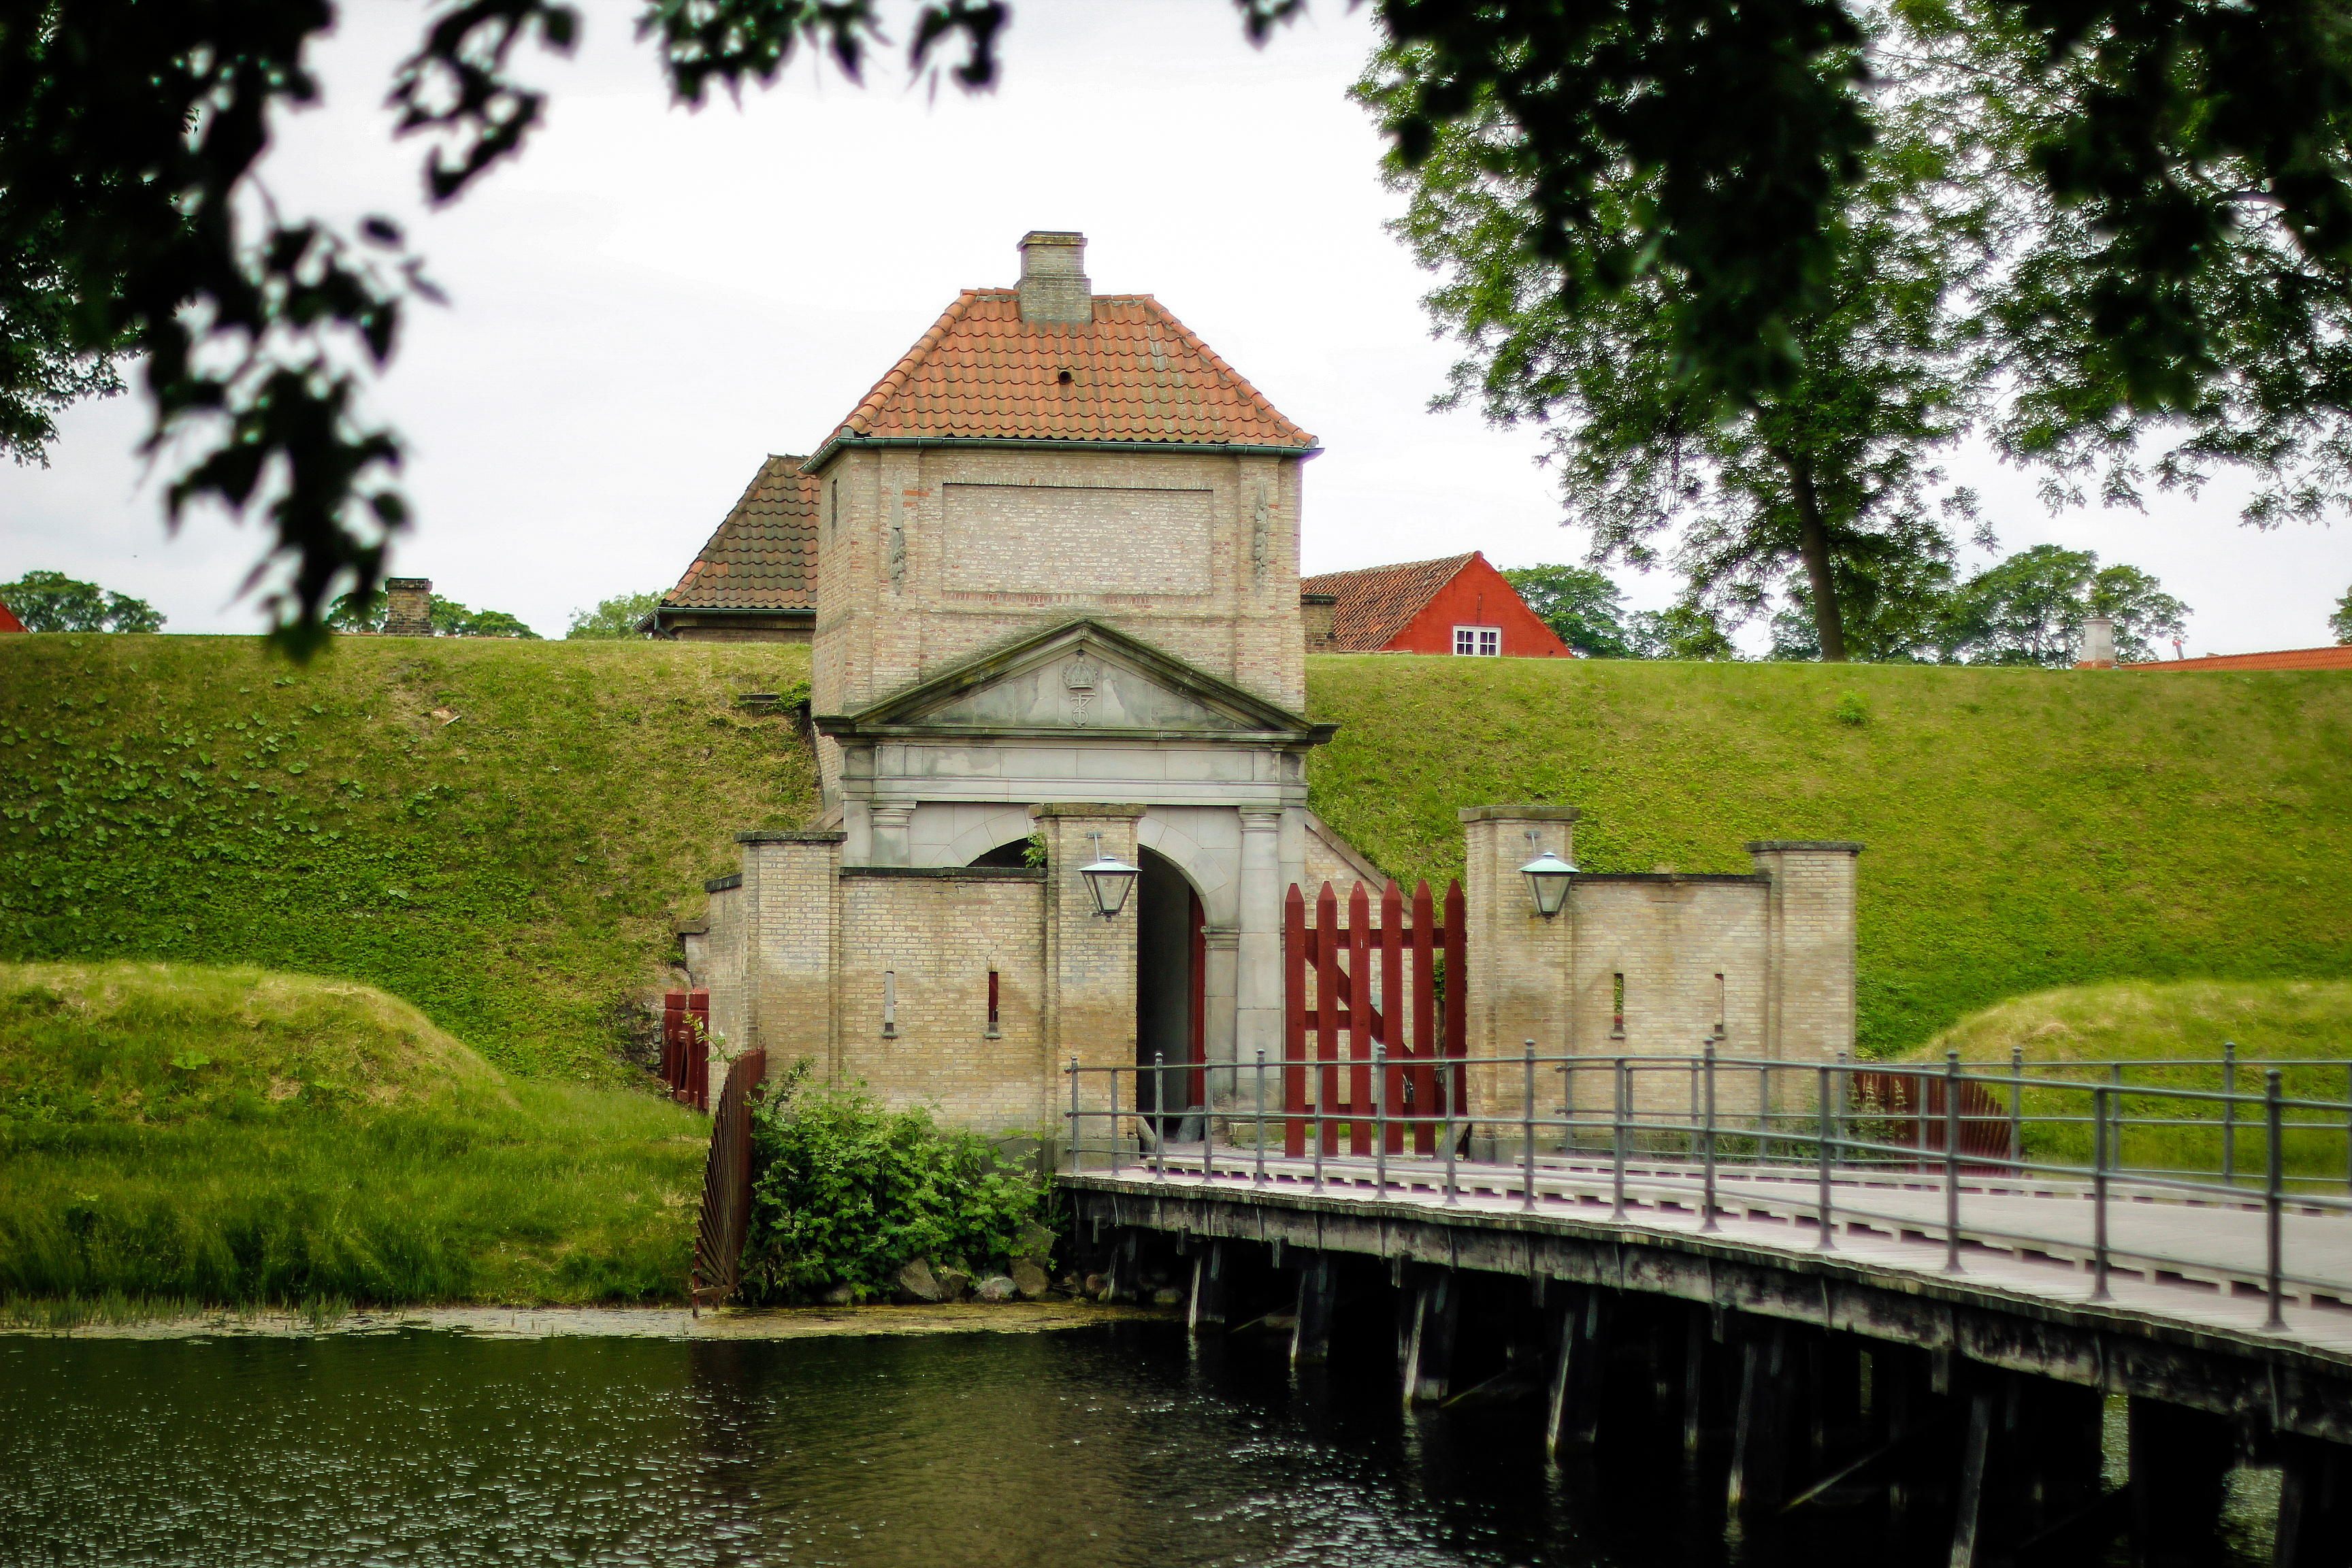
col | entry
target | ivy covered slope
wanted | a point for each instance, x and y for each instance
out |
(2026, 828)
(497, 832)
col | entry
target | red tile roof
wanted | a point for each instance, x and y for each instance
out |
(763, 557)
(9, 621)
(1375, 602)
(2338, 657)
(1134, 373)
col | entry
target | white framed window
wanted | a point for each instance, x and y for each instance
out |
(1485, 642)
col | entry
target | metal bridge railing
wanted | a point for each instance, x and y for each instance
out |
(1678, 1121)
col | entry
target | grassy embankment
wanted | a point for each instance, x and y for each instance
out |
(2027, 829)
(171, 1131)
(511, 870)
(2158, 1029)
(513, 873)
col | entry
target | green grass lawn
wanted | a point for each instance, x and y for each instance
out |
(172, 1132)
(2027, 829)
(2171, 1035)
(498, 832)
(514, 870)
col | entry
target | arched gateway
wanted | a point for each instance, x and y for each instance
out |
(1057, 614)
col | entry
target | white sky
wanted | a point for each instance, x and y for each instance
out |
(650, 301)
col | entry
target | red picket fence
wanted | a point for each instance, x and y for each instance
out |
(1912, 1107)
(686, 1047)
(727, 1183)
(1347, 1021)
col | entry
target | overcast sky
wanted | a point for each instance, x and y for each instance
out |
(651, 299)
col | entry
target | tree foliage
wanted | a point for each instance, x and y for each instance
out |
(2030, 609)
(615, 617)
(847, 1192)
(1692, 152)
(355, 613)
(43, 369)
(53, 602)
(1579, 604)
(2340, 621)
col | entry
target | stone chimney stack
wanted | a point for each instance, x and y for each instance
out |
(1053, 284)
(408, 607)
(1318, 612)
(2098, 644)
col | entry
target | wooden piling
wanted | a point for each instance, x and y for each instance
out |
(1319, 1290)
(1573, 1421)
(2315, 1508)
(2180, 1461)
(1429, 1359)
(1207, 1311)
(1759, 1438)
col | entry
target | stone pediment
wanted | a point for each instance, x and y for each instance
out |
(1081, 678)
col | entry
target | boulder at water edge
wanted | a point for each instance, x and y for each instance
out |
(918, 1281)
(996, 1287)
(1029, 1279)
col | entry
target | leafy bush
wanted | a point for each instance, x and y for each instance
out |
(846, 1191)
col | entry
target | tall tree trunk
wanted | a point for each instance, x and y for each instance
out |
(1813, 541)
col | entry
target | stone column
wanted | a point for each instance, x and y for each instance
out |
(1522, 966)
(889, 826)
(1809, 936)
(1090, 992)
(1222, 947)
(789, 880)
(1257, 979)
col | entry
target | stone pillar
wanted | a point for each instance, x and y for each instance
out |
(1236, 1090)
(888, 825)
(790, 883)
(408, 607)
(1257, 981)
(1089, 960)
(1521, 965)
(1808, 937)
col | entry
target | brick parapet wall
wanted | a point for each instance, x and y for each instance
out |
(789, 945)
(1811, 937)
(1089, 962)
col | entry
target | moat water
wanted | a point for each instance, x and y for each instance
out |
(1123, 1444)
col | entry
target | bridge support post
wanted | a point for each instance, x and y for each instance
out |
(1573, 1425)
(1759, 1439)
(1318, 1292)
(1127, 1265)
(2314, 1511)
(1207, 1312)
(2180, 1461)
(1969, 1511)
(1429, 1358)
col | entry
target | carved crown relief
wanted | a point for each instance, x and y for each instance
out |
(1078, 676)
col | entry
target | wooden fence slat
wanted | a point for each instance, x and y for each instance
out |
(1425, 1017)
(726, 1217)
(1327, 1001)
(1361, 1027)
(1391, 1032)
(1293, 1021)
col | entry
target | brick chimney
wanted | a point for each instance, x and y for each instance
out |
(1316, 611)
(1053, 284)
(408, 607)
(2098, 651)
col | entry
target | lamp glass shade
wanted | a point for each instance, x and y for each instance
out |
(1548, 877)
(1108, 877)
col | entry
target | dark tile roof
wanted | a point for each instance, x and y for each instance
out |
(1374, 604)
(763, 557)
(1135, 373)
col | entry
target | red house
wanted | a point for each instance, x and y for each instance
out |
(1460, 605)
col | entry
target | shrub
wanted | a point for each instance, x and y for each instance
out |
(846, 1191)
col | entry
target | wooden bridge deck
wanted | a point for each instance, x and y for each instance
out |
(2197, 1266)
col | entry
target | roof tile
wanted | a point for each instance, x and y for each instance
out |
(1137, 373)
(763, 557)
(1375, 603)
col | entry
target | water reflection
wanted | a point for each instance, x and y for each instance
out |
(1122, 1445)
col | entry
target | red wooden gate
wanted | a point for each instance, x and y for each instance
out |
(686, 1047)
(1912, 1106)
(1327, 991)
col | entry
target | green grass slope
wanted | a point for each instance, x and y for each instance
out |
(211, 1134)
(511, 870)
(2172, 1035)
(2027, 829)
